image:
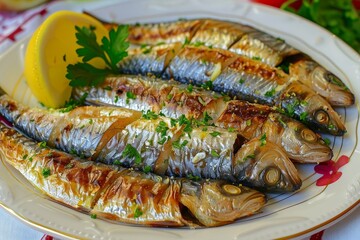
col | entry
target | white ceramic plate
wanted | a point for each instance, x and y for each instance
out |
(286, 215)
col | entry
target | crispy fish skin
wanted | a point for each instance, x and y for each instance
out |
(125, 195)
(252, 43)
(174, 99)
(168, 32)
(236, 37)
(253, 81)
(160, 145)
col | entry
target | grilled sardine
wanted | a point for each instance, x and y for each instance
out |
(174, 147)
(245, 79)
(124, 195)
(174, 99)
(247, 41)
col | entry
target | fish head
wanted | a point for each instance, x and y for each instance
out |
(323, 82)
(265, 165)
(216, 202)
(300, 143)
(311, 108)
(337, 93)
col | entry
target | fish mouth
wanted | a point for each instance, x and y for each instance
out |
(311, 154)
(314, 155)
(252, 203)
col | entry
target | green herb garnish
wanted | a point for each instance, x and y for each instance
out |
(189, 88)
(147, 169)
(129, 95)
(338, 16)
(215, 133)
(131, 152)
(46, 172)
(303, 116)
(327, 141)
(73, 103)
(231, 129)
(250, 156)
(263, 140)
(176, 144)
(270, 93)
(42, 144)
(112, 49)
(248, 122)
(208, 85)
(214, 153)
(150, 115)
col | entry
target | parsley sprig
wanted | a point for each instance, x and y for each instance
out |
(111, 50)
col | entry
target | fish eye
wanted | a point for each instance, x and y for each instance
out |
(231, 189)
(308, 135)
(322, 117)
(271, 176)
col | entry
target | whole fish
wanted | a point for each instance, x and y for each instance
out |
(124, 195)
(246, 79)
(173, 100)
(174, 147)
(247, 41)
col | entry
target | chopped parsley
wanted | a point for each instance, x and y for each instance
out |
(117, 99)
(190, 88)
(46, 172)
(108, 88)
(214, 153)
(198, 44)
(72, 103)
(248, 122)
(250, 156)
(285, 66)
(137, 212)
(169, 96)
(131, 152)
(270, 93)
(93, 216)
(150, 115)
(162, 128)
(208, 85)
(241, 81)
(176, 144)
(231, 129)
(117, 162)
(147, 169)
(263, 139)
(327, 141)
(186, 41)
(215, 133)
(42, 144)
(129, 95)
(256, 58)
(173, 122)
(192, 177)
(303, 116)
(25, 157)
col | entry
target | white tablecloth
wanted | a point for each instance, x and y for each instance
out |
(12, 228)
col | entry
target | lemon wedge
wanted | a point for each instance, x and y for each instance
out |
(51, 48)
